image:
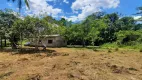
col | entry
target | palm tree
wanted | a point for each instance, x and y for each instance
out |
(20, 3)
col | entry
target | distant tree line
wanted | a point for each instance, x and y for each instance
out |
(97, 29)
(100, 28)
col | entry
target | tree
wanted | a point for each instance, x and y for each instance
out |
(6, 21)
(127, 23)
(19, 30)
(36, 28)
(96, 27)
(95, 16)
(108, 34)
(129, 37)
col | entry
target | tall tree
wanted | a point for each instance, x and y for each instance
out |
(128, 23)
(96, 27)
(6, 21)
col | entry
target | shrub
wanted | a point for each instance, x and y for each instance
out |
(109, 51)
(109, 45)
(140, 50)
(116, 49)
(95, 49)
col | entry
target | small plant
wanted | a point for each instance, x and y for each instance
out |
(133, 69)
(116, 49)
(34, 77)
(94, 49)
(70, 75)
(109, 51)
(140, 50)
(65, 54)
(52, 54)
(5, 75)
(122, 52)
(49, 54)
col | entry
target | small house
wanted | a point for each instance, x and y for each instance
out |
(48, 41)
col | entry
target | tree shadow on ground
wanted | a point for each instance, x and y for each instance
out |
(81, 47)
(75, 46)
(26, 51)
(6, 50)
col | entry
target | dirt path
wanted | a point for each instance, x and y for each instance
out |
(72, 64)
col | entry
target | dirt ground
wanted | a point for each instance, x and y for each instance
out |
(72, 64)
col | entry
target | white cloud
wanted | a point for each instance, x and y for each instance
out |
(9, 4)
(50, 0)
(65, 1)
(137, 17)
(38, 7)
(88, 7)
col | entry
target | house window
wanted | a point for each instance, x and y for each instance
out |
(50, 41)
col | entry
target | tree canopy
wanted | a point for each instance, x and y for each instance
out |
(97, 29)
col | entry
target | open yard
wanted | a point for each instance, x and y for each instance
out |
(72, 64)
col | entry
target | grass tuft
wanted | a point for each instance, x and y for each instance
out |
(116, 49)
(109, 51)
(140, 50)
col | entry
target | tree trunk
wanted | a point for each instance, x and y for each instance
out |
(5, 42)
(21, 39)
(93, 43)
(84, 44)
(93, 40)
(14, 43)
(37, 42)
(1, 43)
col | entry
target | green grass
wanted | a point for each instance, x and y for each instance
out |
(137, 46)
(109, 46)
(23, 42)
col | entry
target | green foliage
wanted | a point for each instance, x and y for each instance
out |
(140, 50)
(127, 23)
(7, 19)
(129, 37)
(95, 30)
(98, 29)
(109, 51)
(109, 45)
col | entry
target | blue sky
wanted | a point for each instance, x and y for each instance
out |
(75, 10)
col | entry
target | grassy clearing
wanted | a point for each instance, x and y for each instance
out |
(137, 47)
(72, 64)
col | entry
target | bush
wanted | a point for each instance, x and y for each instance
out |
(95, 49)
(109, 45)
(109, 50)
(116, 49)
(140, 50)
(129, 38)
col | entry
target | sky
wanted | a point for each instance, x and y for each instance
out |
(74, 10)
